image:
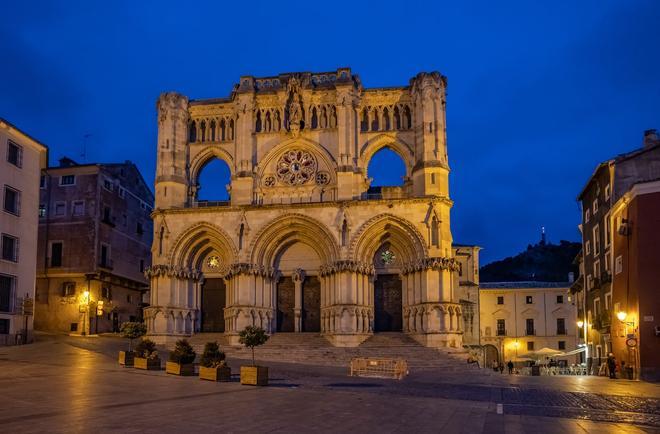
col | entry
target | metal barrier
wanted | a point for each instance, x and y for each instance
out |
(379, 368)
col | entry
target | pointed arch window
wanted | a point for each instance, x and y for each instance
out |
(241, 232)
(344, 232)
(397, 118)
(202, 128)
(257, 124)
(435, 237)
(161, 234)
(364, 124)
(374, 121)
(315, 119)
(192, 132)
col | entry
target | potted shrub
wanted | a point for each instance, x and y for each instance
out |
(146, 356)
(212, 365)
(254, 375)
(130, 331)
(181, 359)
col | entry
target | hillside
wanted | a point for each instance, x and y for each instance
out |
(543, 262)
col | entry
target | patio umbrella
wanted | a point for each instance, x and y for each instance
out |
(547, 352)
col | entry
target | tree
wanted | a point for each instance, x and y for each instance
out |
(132, 330)
(251, 337)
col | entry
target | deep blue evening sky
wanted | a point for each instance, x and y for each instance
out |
(539, 92)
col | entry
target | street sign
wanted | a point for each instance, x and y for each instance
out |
(28, 306)
(631, 342)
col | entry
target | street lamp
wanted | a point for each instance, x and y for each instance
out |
(621, 315)
(580, 324)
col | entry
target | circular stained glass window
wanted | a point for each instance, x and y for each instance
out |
(387, 257)
(296, 167)
(213, 262)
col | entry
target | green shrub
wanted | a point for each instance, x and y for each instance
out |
(146, 349)
(183, 353)
(132, 330)
(251, 337)
(212, 357)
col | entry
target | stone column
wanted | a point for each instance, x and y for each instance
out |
(298, 278)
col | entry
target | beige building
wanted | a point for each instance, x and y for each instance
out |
(95, 239)
(467, 257)
(306, 243)
(22, 159)
(518, 318)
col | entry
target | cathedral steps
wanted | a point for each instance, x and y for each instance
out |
(314, 349)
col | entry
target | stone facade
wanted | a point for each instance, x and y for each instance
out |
(304, 244)
(21, 160)
(94, 246)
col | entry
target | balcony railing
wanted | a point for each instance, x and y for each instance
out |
(210, 203)
(501, 333)
(107, 264)
(561, 331)
(530, 332)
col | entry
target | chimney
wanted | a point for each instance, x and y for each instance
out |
(651, 138)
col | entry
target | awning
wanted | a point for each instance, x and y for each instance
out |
(573, 352)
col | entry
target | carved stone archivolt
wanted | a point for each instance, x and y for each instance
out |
(296, 167)
(348, 265)
(173, 271)
(250, 269)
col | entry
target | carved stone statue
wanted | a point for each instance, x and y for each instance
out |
(294, 109)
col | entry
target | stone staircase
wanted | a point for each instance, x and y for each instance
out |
(313, 349)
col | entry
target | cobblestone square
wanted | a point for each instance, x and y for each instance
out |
(65, 384)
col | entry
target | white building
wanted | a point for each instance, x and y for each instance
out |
(21, 160)
(517, 318)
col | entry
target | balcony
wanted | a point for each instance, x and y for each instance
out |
(561, 332)
(210, 203)
(596, 283)
(500, 333)
(605, 277)
(530, 332)
(107, 264)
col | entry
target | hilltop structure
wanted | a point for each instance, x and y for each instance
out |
(304, 244)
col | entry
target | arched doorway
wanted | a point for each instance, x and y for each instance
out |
(298, 289)
(388, 296)
(213, 300)
(491, 355)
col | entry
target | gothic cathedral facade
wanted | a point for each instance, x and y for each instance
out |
(304, 243)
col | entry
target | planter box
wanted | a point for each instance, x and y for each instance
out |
(175, 368)
(126, 358)
(149, 364)
(215, 374)
(254, 375)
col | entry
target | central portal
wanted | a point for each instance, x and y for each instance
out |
(213, 305)
(388, 304)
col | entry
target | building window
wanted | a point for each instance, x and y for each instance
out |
(7, 285)
(68, 180)
(9, 248)
(607, 192)
(530, 346)
(587, 247)
(4, 326)
(60, 209)
(14, 154)
(618, 264)
(107, 216)
(500, 299)
(141, 265)
(56, 254)
(129, 299)
(107, 184)
(560, 299)
(78, 207)
(608, 229)
(122, 192)
(69, 289)
(596, 306)
(590, 281)
(106, 293)
(42, 181)
(608, 300)
(105, 261)
(596, 238)
(501, 327)
(42, 210)
(74, 327)
(138, 228)
(561, 326)
(595, 206)
(587, 214)
(608, 266)
(529, 327)
(12, 200)
(597, 269)
(529, 299)
(561, 345)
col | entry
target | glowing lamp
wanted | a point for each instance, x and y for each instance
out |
(580, 324)
(621, 315)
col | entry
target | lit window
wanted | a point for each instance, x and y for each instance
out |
(529, 299)
(42, 210)
(69, 289)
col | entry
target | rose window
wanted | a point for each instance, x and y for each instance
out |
(387, 257)
(296, 167)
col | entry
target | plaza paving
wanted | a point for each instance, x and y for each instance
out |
(67, 384)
